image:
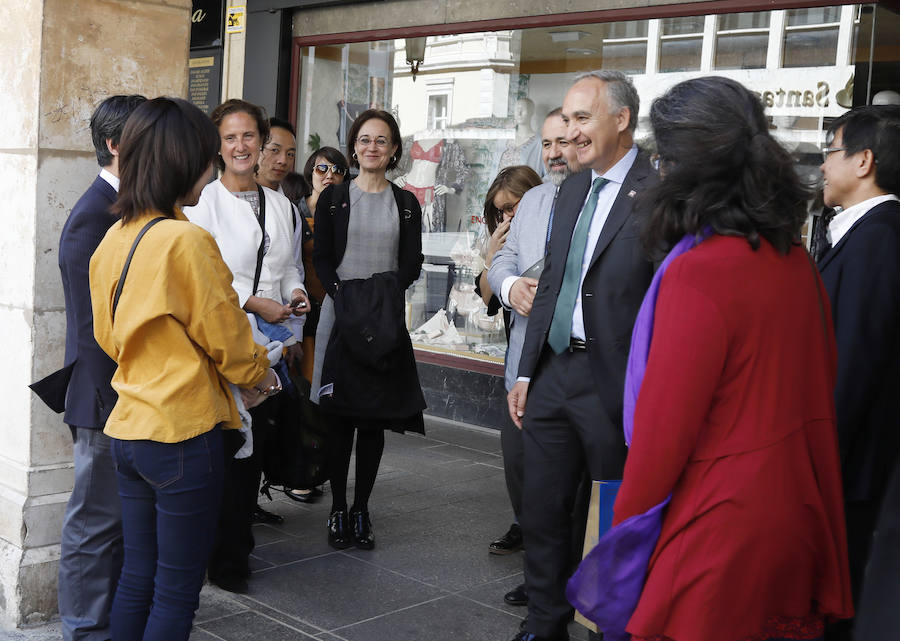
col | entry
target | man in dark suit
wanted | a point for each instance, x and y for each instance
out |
(861, 272)
(91, 549)
(572, 368)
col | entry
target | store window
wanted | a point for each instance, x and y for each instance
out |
(478, 102)
(681, 43)
(742, 40)
(811, 36)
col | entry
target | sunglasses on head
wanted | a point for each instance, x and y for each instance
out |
(335, 169)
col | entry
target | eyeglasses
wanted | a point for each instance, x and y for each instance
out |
(335, 169)
(380, 141)
(829, 150)
(508, 209)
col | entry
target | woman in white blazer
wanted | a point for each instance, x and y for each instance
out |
(246, 219)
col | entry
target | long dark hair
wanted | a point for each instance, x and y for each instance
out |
(166, 146)
(721, 168)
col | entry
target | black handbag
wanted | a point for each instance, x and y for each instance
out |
(296, 454)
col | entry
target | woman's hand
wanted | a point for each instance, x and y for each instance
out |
(269, 386)
(271, 311)
(495, 242)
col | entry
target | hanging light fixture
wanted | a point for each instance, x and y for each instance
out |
(415, 54)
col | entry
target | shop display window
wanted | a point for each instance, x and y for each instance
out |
(475, 103)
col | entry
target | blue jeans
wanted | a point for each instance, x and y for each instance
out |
(171, 494)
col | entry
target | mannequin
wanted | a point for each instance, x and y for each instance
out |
(525, 149)
(432, 164)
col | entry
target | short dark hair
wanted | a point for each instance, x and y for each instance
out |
(283, 124)
(236, 105)
(330, 154)
(166, 146)
(107, 123)
(385, 117)
(294, 186)
(516, 180)
(721, 169)
(877, 128)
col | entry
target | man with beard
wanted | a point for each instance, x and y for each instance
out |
(514, 275)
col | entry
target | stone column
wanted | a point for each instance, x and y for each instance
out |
(60, 58)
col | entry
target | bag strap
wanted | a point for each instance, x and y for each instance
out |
(261, 219)
(134, 245)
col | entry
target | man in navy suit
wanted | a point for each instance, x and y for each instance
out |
(572, 368)
(91, 549)
(861, 273)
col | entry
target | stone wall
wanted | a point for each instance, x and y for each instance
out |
(60, 60)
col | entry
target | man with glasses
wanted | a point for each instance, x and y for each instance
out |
(861, 273)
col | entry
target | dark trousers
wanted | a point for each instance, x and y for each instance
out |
(877, 617)
(170, 495)
(513, 468)
(234, 539)
(566, 428)
(91, 550)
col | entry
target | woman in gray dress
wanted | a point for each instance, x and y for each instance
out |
(368, 242)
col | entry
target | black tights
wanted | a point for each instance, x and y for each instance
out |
(369, 447)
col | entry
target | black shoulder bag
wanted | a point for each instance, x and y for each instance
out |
(261, 219)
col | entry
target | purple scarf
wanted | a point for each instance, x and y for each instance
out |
(608, 583)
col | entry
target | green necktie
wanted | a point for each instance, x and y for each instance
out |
(561, 326)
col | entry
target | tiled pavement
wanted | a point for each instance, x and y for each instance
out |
(438, 501)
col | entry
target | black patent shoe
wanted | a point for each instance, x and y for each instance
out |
(338, 533)
(362, 530)
(264, 516)
(508, 543)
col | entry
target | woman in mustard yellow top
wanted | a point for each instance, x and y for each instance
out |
(179, 338)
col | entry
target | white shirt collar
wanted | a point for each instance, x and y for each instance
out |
(617, 172)
(110, 178)
(843, 221)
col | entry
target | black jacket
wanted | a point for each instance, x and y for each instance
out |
(861, 274)
(369, 359)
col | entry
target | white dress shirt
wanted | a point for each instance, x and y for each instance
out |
(107, 175)
(842, 222)
(607, 196)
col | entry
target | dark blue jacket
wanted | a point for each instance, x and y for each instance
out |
(861, 274)
(90, 397)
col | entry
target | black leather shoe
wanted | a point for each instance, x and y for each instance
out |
(264, 516)
(230, 583)
(307, 496)
(362, 530)
(338, 533)
(509, 542)
(517, 596)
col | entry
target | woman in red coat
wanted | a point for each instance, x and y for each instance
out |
(735, 418)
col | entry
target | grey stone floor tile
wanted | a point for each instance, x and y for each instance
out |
(491, 593)
(294, 549)
(249, 625)
(446, 619)
(455, 561)
(263, 534)
(199, 634)
(337, 590)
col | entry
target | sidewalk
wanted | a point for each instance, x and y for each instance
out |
(438, 502)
